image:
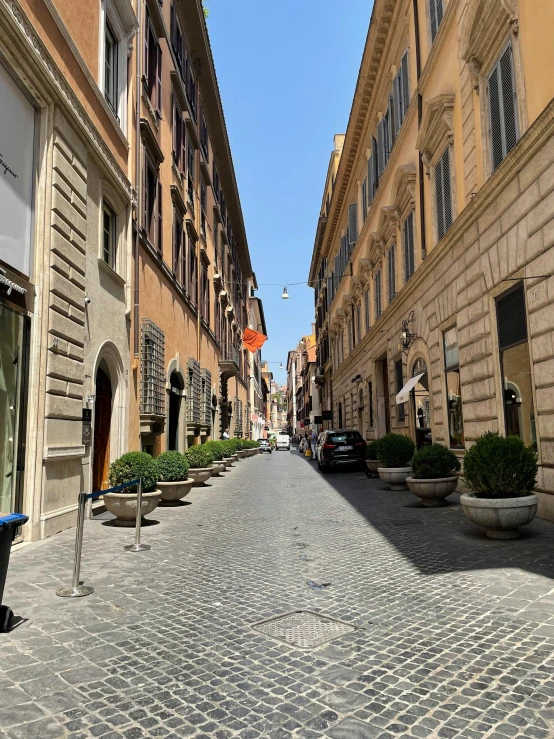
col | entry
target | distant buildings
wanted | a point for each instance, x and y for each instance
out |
(303, 402)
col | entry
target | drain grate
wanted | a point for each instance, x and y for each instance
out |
(303, 629)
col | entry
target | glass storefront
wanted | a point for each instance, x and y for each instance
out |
(453, 389)
(422, 405)
(14, 331)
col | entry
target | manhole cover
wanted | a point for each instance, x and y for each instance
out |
(303, 629)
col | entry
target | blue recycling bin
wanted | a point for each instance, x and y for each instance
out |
(8, 526)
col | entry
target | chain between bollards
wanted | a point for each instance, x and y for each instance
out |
(137, 546)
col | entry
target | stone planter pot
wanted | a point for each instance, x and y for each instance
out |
(395, 476)
(124, 506)
(242, 453)
(433, 491)
(372, 465)
(229, 462)
(501, 517)
(234, 457)
(219, 467)
(173, 491)
(199, 475)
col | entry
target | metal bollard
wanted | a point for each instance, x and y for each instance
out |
(76, 590)
(137, 546)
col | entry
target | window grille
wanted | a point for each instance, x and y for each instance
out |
(443, 193)
(511, 316)
(152, 388)
(502, 108)
(194, 392)
(206, 397)
(238, 417)
(366, 310)
(401, 407)
(392, 272)
(436, 12)
(409, 251)
(378, 306)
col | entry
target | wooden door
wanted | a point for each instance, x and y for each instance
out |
(102, 425)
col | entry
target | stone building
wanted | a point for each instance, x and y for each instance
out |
(432, 263)
(303, 401)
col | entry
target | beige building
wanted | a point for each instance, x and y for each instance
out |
(434, 252)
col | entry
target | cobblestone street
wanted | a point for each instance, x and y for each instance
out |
(453, 632)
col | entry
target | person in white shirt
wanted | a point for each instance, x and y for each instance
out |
(225, 435)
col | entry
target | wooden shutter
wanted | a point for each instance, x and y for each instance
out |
(144, 190)
(397, 101)
(443, 194)
(511, 318)
(159, 80)
(370, 181)
(378, 294)
(381, 161)
(502, 108)
(367, 319)
(183, 146)
(159, 223)
(401, 408)
(391, 124)
(352, 224)
(409, 251)
(364, 199)
(145, 70)
(392, 272)
(405, 83)
(436, 13)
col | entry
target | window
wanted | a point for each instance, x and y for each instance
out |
(206, 397)
(111, 83)
(178, 246)
(400, 407)
(453, 389)
(194, 392)
(391, 260)
(436, 12)
(190, 171)
(153, 67)
(370, 398)
(443, 194)
(501, 92)
(367, 318)
(519, 413)
(152, 218)
(352, 226)
(364, 199)
(204, 135)
(177, 40)
(192, 277)
(401, 94)
(409, 251)
(381, 154)
(109, 236)
(205, 295)
(179, 138)
(350, 335)
(190, 85)
(358, 322)
(152, 363)
(203, 208)
(373, 169)
(377, 292)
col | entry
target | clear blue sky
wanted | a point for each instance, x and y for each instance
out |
(287, 70)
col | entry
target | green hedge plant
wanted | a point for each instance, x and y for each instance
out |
(395, 450)
(434, 461)
(500, 467)
(132, 465)
(228, 448)
(172, 467)
(217, 449)
(371, 450)
(199, 456)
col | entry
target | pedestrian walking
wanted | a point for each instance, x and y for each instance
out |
(313, 442)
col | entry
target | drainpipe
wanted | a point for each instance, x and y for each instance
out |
(138, 56)
(419, 116)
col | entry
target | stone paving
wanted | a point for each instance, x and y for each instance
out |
(453, 632)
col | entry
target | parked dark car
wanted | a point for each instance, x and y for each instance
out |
(340, 448)
(265, 446)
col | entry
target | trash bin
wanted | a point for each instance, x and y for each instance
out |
(8, 526)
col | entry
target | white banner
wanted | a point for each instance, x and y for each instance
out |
(17, 142)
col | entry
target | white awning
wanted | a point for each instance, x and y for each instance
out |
(404, 395)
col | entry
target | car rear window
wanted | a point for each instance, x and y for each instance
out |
(346, 436)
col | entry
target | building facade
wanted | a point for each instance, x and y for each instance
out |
(303, 398)
(432, 263)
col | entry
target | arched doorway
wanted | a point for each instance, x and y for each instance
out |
(174, 413)
(421, 404)
(102, 427)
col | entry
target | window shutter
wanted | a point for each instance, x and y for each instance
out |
(375, 167)
(392, 272)
(443, 194)
(401, 408)
(511, 317)
(391, 124)
(159, 81)
(183, 146)
(378, 294)
(409, 251)
(436, 13)
(508, 99)
(381, 161)
(405, 84)
(144, 191)
(173, 26)
(159, 224)
(364, 199)
(502, 108)
(397, 101)
(370, 181)
(366, 310)
(352, 224)
(145, 70)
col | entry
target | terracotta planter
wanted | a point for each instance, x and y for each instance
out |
(372, 465)
(219, 467)
(395, 476)
(229, 462)
(433, 491)
(173, 491)
(199, 475)
(124, 506)
(501, 517)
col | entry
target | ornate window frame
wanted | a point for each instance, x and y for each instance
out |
(403, 191)
(488, 27)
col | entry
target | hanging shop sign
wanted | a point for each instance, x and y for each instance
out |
(17, 150)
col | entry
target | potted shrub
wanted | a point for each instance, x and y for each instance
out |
(433, 477)
(395, 452)
(200, 464)
(501, 472)
(228, 452)
(123, 504)
(241, 450)
(216, 448)
(173, 476)
(372, 461)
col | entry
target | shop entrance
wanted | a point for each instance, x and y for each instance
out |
(14, 348)
(102, 428)
(174, 416)
(421, 405)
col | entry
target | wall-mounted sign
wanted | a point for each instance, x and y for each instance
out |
(327, 415)
(17, 145)
(318, 420)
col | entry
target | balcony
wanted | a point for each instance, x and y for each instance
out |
(229, 362)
